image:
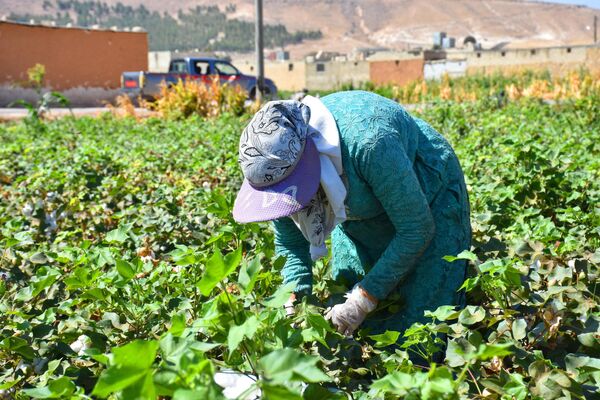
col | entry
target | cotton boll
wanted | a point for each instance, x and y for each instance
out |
(51, 196)
(27, 210)
(235, 384)
(81, 344)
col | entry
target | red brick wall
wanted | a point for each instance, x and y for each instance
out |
(73, 57)
(397, 72)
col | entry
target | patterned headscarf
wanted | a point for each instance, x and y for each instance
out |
(273, 141)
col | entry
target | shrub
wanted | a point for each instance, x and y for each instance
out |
(189, 97)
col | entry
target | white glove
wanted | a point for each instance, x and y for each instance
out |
(290, 310)
(348, 316)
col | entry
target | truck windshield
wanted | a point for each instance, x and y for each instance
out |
(223, 68)
(178, 66)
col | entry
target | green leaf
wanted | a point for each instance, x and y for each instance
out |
(238, 333)
(458, 352)
(57, 389)
(183, 255)
(440, 382)
(487, 351)
(248, 274)
(286, 365)
(19, 346)
(94, 294)
(281, 295)
(38, 258)
(118, 235)
(139, 354)
(8, 385)
(218, 269)
(233, 259)
(471, 315)
(519, 329)
(317, 392)
(464, 255)
(125, 269)
(318, 328)
(274, 392)
(589, 339)
(199, 393)
(443, 313)
(117, 378)
(516, 387)
(131, 370)
(398, 383)
(178, 324)
(142, 389)
(385, 339)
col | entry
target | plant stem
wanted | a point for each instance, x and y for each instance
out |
(245, 350)
(475, 382)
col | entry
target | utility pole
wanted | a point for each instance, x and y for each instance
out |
(260, 67)
(595, 29)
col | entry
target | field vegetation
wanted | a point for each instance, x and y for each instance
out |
(123, 274)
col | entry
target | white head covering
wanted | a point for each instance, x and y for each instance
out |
(327, 209)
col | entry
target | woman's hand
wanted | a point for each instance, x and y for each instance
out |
(348, 316)
(290, 311)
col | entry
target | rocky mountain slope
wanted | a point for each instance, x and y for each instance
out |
(399, 24)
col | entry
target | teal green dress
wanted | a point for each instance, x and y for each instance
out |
(407, 207)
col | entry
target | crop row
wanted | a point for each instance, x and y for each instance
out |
(123, 273)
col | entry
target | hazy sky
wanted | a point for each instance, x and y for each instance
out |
(589, 3)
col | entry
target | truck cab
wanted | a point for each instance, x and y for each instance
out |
(147, 84)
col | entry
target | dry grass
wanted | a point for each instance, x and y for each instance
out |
(186, 98)
(123, 108)
(573, 86)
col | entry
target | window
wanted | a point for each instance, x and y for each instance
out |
(178, 66)
(290, 67)
(568, 49)
(320, 67)
(503, 54)
(533, 52)
(201, 67)
(223, 68)
(478, 55)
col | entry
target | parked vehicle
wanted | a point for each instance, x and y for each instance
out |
(147, 84)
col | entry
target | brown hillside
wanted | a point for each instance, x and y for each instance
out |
(399, 24)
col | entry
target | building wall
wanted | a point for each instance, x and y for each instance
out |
(396, 72)
(298, 75)
(158, 61)
(563, 55)
(287, 75)
(73, 57)
(435, 70)
(557, 60)
(331, 75)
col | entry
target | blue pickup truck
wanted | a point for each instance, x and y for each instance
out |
(147, 84)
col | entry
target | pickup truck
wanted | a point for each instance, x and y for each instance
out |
(147, 84)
